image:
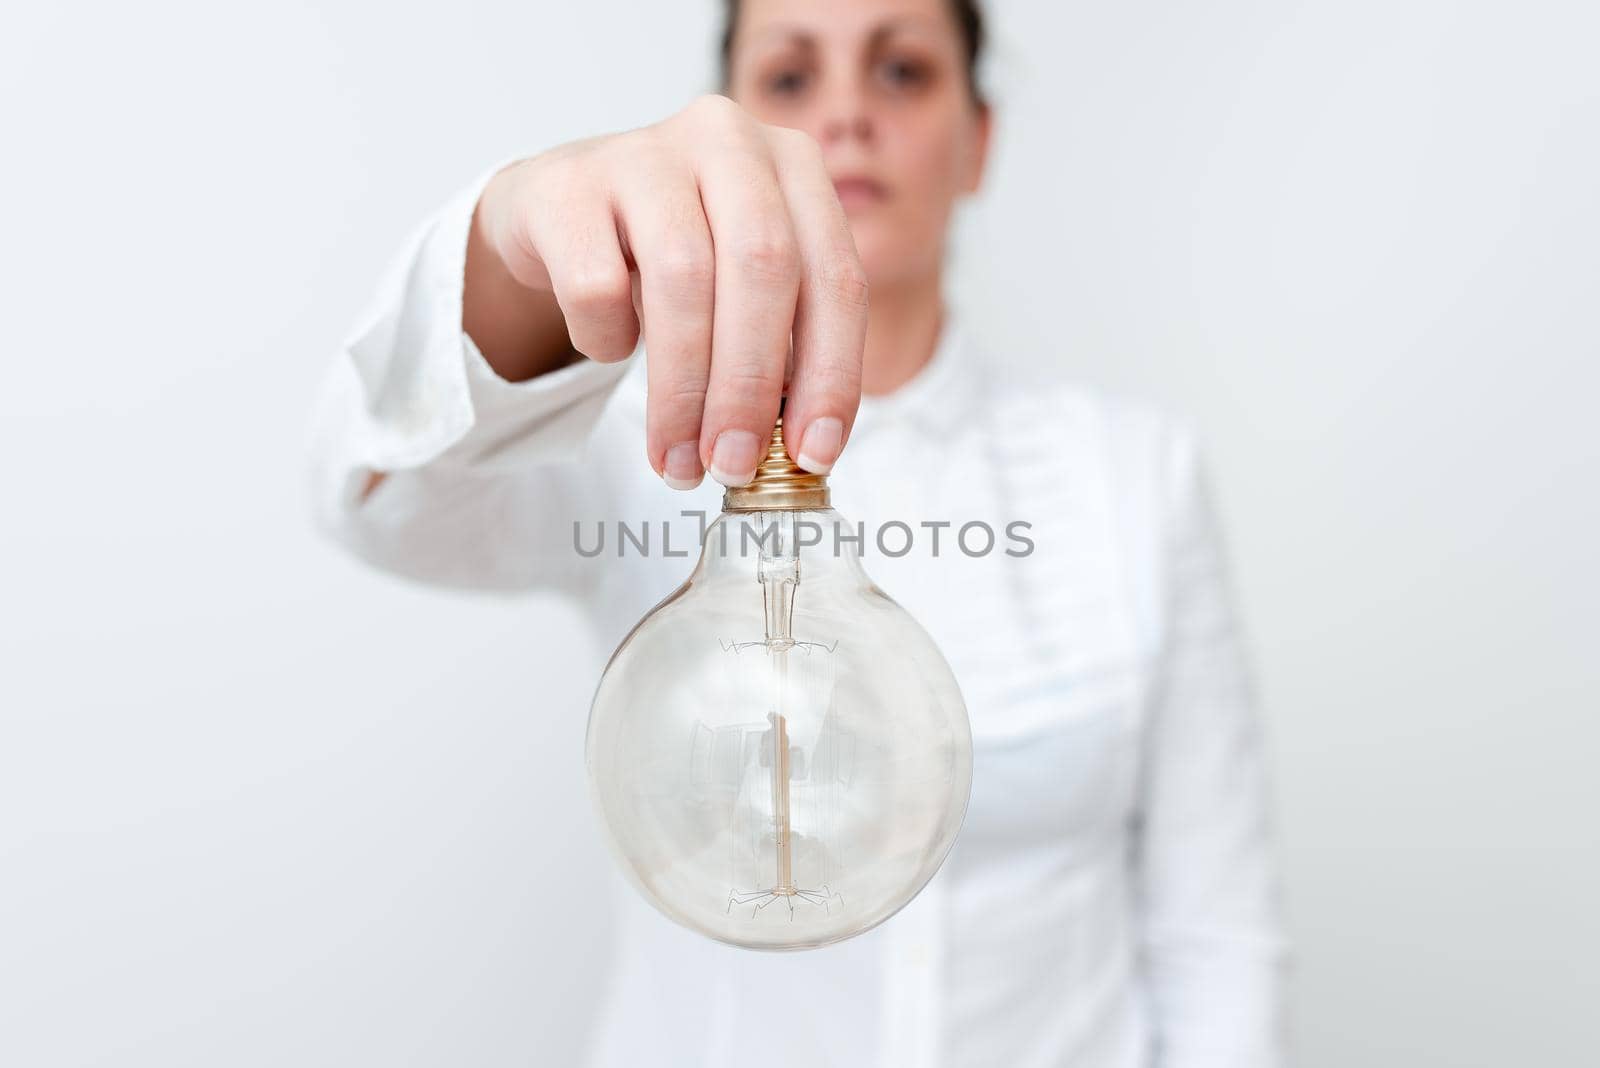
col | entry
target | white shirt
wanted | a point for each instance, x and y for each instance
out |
(1111, 900)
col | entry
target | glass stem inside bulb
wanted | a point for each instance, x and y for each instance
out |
(780, 575)
(780, 800)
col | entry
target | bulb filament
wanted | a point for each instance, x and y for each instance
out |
(779, 574)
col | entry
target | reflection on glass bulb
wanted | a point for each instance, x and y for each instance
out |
(780, 754)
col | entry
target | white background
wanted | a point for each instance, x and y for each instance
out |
(260, 806)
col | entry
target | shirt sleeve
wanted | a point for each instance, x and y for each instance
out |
(1215, 951)
(479, 472)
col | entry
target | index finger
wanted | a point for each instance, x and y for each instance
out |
(830, 323)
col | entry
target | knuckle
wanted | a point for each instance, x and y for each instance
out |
(712, 107)
(749, 385)
(522, 213)
(643, 153)
(768, 256)
(842, 279)
(555, 177)
(795, 143)
(519, 245)
(829, 378)
(680, 396)
(836, 387)
(597, 292)
(686, 269)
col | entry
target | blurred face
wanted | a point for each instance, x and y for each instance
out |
(882, 85)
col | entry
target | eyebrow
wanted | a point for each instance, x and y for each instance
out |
(880, 33)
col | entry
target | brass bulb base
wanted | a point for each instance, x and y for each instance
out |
(780, 485)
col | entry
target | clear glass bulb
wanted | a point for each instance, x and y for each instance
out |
(779, 753)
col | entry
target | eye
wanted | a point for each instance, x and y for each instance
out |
(786, 82)
(904, 73)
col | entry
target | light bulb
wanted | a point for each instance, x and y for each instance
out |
(779, 753)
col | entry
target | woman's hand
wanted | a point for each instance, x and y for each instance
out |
(717, 236)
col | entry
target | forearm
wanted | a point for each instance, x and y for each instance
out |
(480, 469)
(1216, 954)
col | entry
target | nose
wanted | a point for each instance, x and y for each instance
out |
(847, 128)
(846, 117)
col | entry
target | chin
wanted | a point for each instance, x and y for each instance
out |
(887, 261)
(889, 272)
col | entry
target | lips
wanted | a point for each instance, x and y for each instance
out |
(856, 191)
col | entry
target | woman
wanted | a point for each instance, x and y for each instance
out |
(1111, 899)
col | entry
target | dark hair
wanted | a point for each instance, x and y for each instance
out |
(969, 22)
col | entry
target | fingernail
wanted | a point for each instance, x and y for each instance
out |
(820, 447)
(733, 460)
(682, 470)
